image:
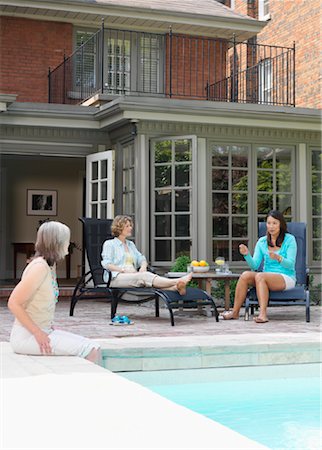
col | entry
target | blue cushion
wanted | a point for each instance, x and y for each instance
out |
(297, 293)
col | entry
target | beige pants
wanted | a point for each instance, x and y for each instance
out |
(135, 279)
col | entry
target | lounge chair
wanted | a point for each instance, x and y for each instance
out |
(299, 295)
(91, 285)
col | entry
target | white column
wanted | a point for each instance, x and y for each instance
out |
(301, 184)
(142, 207)
(202, 207)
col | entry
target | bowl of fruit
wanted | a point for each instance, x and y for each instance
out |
(199, 266)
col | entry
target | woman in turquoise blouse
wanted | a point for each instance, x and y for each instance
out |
(129, 266)
(277, 250)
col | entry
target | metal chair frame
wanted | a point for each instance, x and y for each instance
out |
(300, 294)
(92, 285)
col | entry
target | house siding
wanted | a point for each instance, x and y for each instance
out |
(28, 49)
(294, 21)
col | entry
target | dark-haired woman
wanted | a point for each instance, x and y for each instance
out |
(33, 302)
(278, 252)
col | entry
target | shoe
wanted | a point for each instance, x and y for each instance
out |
(123, 320)
(258, 320)
(228, 315)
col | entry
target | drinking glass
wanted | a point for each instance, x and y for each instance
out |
(220, 262)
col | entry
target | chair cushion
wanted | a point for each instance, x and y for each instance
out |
(296, 293)
(192, 294)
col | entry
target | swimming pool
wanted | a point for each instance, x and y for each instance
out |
(278, 406)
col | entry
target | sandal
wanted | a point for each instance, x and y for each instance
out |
(228, 315)
(123, 320)
(258, 320)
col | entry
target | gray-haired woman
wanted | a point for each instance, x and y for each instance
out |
(33, 302)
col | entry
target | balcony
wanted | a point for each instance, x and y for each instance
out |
(116, 62)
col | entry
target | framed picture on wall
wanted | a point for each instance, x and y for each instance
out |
(41, 202)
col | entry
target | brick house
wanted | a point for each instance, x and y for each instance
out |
(178, 113)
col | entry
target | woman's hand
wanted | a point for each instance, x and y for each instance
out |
(243, 250)
(275, 256)
(143, 268)
(43, 341)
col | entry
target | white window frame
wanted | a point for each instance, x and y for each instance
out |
(263, 10)
(94, 184)
(265, 81)
(193, 202)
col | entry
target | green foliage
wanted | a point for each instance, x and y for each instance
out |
(219, 291)
(180, 265)
(315, 291)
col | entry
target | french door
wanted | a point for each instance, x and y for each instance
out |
(100, 185)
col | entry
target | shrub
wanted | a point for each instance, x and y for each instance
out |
(219, 291)
(180, 265)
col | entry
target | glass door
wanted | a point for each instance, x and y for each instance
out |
(100, 185)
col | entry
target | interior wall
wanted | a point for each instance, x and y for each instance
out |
(65, 175)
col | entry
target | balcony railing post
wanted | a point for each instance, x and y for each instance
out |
(102, 57)
(64, 78)
(82, 69)
(234, 69)
(170, 62)
(49, 85)
(294, 74)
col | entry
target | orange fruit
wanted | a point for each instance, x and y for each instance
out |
(203, 263)
(195, 263)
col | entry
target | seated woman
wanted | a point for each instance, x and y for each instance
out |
(278, 251)
(129, 266)
(33, 302)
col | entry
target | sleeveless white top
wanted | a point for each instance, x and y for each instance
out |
(41, 306)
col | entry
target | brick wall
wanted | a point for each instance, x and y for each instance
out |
(299, 21)
(28, 48)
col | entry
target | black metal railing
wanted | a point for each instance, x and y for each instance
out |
(122, 62)
(262, 74)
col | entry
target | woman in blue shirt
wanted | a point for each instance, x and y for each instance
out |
(129, 266)
(278, 252)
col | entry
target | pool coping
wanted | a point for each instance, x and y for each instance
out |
(113, 412)
(191, 352)
(79, 405)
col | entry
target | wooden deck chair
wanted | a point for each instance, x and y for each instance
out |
(92, 285)
(299, 295)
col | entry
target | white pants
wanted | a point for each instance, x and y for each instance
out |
(289, 282)
(135, 279)
(62, 343)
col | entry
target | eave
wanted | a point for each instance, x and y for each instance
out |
(120, 17)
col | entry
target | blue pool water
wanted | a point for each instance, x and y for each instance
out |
(278, 406)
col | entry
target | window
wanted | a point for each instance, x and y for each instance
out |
(118, 65)
(132, 61)
(265, 82)
(149, 65)
(263, 10)
(246, 185)
(230, 199)
(86, 60)
(171, 199)
(275, 166)
(316, 185)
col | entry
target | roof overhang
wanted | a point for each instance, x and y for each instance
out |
(134, 18)
(126, 109)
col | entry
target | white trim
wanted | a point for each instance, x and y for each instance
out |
(261, 15)
(99, 158)
(302, 186)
